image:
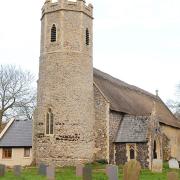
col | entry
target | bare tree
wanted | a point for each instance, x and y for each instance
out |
(174, 105)
(16, 92)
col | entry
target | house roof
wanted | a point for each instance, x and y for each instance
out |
(133, 129)
(19, 134)
(132, 100)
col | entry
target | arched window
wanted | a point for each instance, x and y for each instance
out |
(155, 151)
(53, 33)
(132, 154)
(49, 122)
(87, 37)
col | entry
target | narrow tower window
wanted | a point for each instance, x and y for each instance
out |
(53, 33)
(49, 122)
(87, 37)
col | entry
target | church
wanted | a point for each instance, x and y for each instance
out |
(85, 115)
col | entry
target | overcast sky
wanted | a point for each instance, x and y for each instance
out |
(137, 41)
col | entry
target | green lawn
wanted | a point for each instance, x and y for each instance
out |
(68, 173)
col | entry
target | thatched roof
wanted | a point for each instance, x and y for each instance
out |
(132, 100)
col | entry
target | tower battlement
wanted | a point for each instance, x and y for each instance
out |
(67, 5)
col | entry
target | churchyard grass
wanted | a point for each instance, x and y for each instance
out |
(68, 173)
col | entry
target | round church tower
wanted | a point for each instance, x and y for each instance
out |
(64, 119)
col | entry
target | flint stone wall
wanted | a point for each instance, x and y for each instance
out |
(101, 126)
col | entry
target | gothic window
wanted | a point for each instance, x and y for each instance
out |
(132, 154)
(131, 151)
(87, 37)
(49, 122)
(53, 33)
(154, 151)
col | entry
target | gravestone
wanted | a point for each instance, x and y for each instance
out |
(2, 170)
(17, 170)
(50, 172)
(131, 170)
(157, 165)
(173, 164)
(112, 172)
(87, 173)
(172, 176)
(42, 169)
(79, 170)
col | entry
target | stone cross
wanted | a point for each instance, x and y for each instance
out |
(17, 170)
(87, 173)
(79, 170)
(50, 172)
(132, 170)
(42, 169)
(172, 176)
(2, 170)
(173, 164)
(157, 165)
(112, 172)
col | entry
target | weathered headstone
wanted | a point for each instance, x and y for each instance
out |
(173, 164)
(17, 170)
(112, 172)
(50, 172)
(131, 170)
(87, 173)
(2, 170)
(157, 165)
(172, 176)
(42, 169)
(79, 170)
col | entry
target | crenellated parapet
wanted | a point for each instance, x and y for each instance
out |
(67, 5)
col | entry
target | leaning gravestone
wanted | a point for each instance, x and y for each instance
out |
(79, 170)
(173, 164)
(131, 170)
(87, 173)
(17, 170)
(157, 165)
(42, 169)
(50, 172)
(2, 170)
(112, 172)
(172, 176)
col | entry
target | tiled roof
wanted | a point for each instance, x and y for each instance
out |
(19, 134)
(133, 129)
(132, 100)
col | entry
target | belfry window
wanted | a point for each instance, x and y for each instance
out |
(49, 122)
(87, 37)
(53, 33)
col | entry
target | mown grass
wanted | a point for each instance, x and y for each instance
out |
(68, 173)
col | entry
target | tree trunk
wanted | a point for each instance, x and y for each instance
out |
(1, 116)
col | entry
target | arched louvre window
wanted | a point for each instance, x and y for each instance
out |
(53, 33)
(49, 122)
(87, 37)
